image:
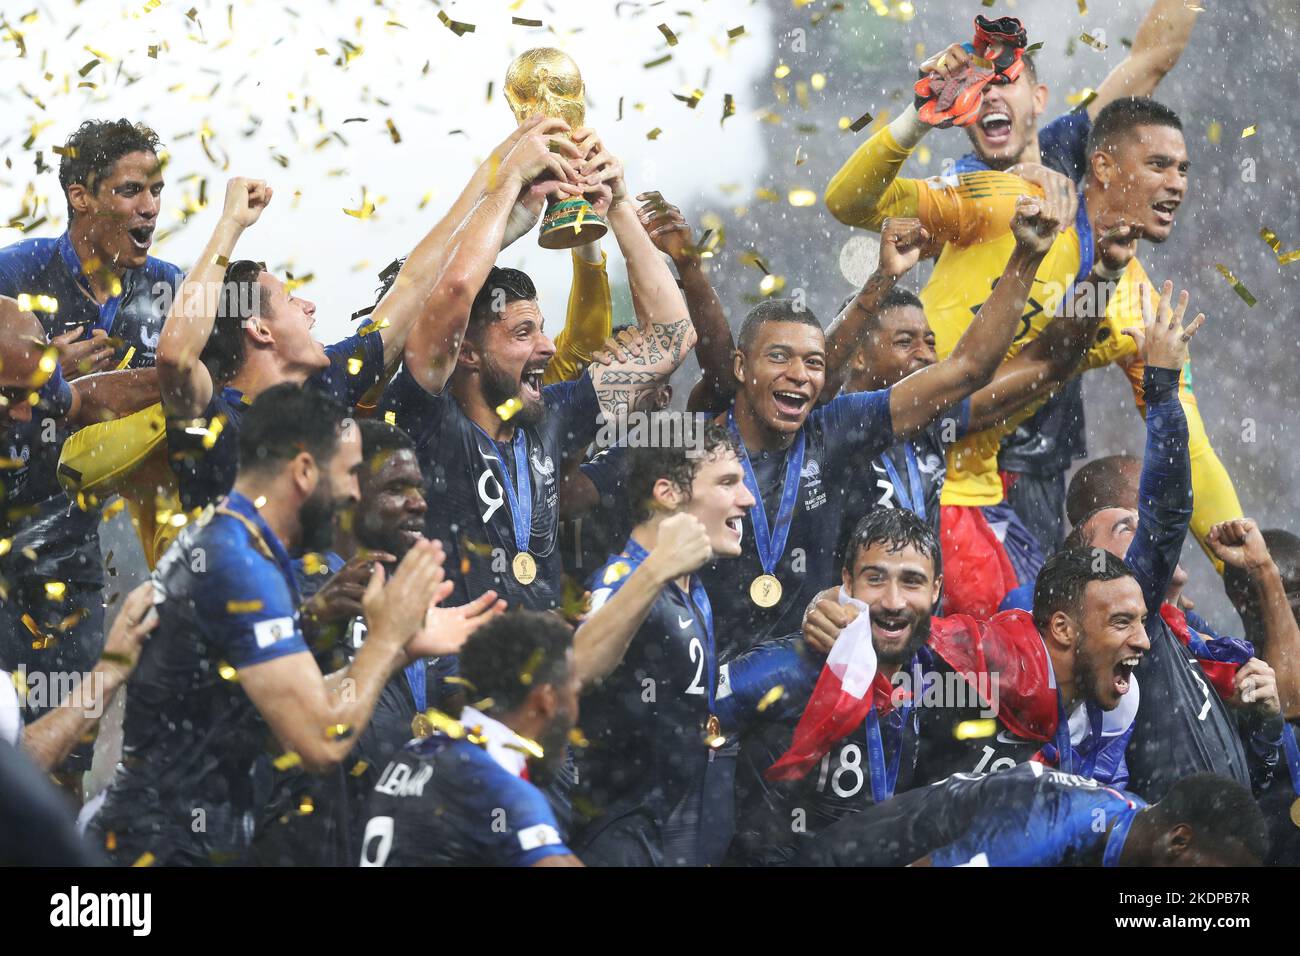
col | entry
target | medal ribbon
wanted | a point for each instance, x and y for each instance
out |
(883, 782)
(914, 487)
(1063, 745)
(520, 499)
(771, 543)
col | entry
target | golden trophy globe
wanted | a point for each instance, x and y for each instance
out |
(546, 81)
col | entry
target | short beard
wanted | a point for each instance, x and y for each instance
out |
(920, 636)
(316, 520)
(498, 388)
(1085, 673)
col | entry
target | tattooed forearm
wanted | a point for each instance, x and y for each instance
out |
(624, 384)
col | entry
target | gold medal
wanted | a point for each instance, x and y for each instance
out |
(421, 726)
(1295, 812)
(713, 732)
(765, 591)
(524, 567)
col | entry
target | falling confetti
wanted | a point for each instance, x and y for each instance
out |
(1237, 285)
(668, 34)
(455, 26)
(1248, 131)
(975, 729)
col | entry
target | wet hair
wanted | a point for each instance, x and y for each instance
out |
(286, 420)
(1122, 116)
(92, 151)
(378, 437)
(502, 287)
(645, 466)
(895, 298)
(515, 652)
(896, 528)
(1101, 483)
(772, 310)
(1080, 536)
(240, 299)
(1224, 817)
(1066, 575)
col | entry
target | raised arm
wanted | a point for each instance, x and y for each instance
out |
(1239, 544)
(1159, 43)
(1165, 487)
(924, 395)
(660, 311)
(433, 343)
(867, 189)
(602, 640)
(183, 379)
(49, 739)
(901, 244)
(1049, 360)
(714, 345)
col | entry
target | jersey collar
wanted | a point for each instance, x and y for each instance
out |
(1118, 834)
(503, 745)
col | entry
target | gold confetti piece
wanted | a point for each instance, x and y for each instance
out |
(1083, 8)
(923, 155)
(577, 739)
(1194, 7)
(692, 99)
(365, 210)
(802, 197)
(1271, 240)
(178, 520)
(305, 806)
(359, 768)
(1092, 41)
(1237, 285)
(145, 859)
(735, 33)
(244, 607)
(858, 124)
(509, 409)
(354, 365)
(1214, 133)
(84, 70)
(657, 62)
(728, 107)
(771, 697)
(987, 3)
(37, 303)
(771, 284)
(54, 590)
(1289, 257)
(530, 667)
(392, 129)
(390, 417)
(5, 545)
(654, 133)
(455, 26)
(1081, 99)
(126, 359)
(1248, 131)
(770, 195)
(818, 81)
(338, 731)
(668, 34)
(975, 729)
(286, 760)
(522, 22)
(781, 71)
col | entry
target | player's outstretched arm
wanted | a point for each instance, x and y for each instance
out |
(901, 244)
(1054, 356)
(1159, 43)
(924, 395)
(602, 640)
(433, 343)
(661, 313)
(105, 396)
(1239, 544)
(49, 739)
(321, 718)
(714, 345)
(183, 379)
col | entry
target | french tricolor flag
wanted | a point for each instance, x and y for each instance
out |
(839, 702)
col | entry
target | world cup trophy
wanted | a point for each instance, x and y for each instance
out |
(546, 81)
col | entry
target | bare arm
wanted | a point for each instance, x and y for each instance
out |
(1238, 543)
(433, 343)
(922, 396)
(1159, 43)
(50, 739)
(183, 379)
(714, 345)
(108, 395)
(603, 639)
(321, 718)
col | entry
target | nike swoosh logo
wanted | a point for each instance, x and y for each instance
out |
(685, 622)
(1006, 738)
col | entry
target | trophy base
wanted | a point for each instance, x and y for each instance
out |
(569, 223)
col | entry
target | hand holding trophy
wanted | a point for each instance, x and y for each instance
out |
(546, 81)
